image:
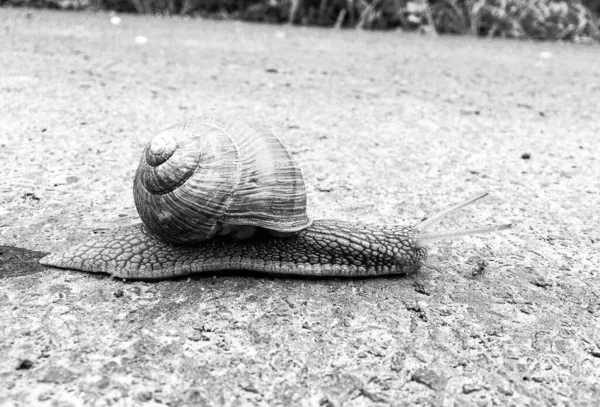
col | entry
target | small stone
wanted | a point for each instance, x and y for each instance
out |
(325, 402)
(480, 267)
(468, 388)
(525, 310)
(103, 383)
(47, 395)
(145, 395)
(445, 312)
(422, 288)
(118, 293)
(325, 188)
(374, 397)
(397, 362)
(429, 378)
(593, 306)
(503, 385)
(248, 386)
(540, 281)
(338, 363)
(24, 364)
(594, 352)
(196, 337)
(30, 197)
(506, 390)
(413, 306)
(305, 325)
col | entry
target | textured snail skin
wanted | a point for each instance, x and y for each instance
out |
(326, 248)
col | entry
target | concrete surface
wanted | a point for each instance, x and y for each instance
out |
(389, 127)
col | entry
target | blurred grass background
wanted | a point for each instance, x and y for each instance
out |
(570, 20)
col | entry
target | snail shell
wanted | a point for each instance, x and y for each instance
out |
(213, 175)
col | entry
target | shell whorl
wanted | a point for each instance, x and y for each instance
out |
(200, 177)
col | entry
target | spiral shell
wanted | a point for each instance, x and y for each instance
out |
(207, 176)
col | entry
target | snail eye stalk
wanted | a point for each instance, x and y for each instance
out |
(423, 237)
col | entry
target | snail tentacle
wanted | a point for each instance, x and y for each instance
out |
(425, 224)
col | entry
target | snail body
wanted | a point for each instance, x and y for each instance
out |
(326, 248)
(221, 194)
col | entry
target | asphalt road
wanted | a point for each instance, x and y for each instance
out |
(388, 127)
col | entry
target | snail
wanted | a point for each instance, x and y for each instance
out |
(223, 194)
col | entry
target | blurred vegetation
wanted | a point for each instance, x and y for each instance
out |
(574, 20)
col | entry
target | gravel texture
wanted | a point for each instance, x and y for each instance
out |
(388, 127)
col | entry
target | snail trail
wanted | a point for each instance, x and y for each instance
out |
(18, 261)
